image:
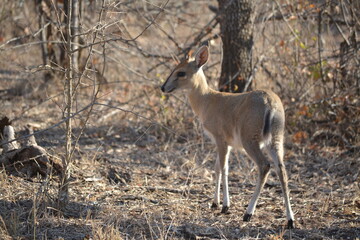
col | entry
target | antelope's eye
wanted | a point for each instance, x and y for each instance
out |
(181, 74)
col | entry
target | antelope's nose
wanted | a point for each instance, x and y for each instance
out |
(163, 88)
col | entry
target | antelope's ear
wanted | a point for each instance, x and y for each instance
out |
(202, 56)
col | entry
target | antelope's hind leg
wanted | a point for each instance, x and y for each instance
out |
(276, 153)
(254, 152)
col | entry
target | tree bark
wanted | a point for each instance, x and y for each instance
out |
(72, 28)
(237, 37)
(47, 48)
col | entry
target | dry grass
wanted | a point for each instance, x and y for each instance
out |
(148, 173)
(138, 184)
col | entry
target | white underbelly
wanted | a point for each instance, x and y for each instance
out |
(234, 142)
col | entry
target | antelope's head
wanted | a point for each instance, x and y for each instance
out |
(185, 74)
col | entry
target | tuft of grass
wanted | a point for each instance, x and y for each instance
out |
(105, 232)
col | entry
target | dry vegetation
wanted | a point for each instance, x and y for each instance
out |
(142, 166)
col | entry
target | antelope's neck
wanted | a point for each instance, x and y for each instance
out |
(199, 94)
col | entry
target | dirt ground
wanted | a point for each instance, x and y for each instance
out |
(143, 168)
(141, 181)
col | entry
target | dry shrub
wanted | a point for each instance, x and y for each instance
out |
(143, 168)
(313, 66)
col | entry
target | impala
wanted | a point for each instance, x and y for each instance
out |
(252, 121)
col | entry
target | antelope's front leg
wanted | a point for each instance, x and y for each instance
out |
(216, 202)
(221, 172)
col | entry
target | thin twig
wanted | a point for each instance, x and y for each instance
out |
(95, 96)
(151, 23)
(140, 116)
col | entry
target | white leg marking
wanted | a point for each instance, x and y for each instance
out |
(217, 179)
(225, 173)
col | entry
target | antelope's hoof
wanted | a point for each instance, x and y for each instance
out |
(214, 206)
(290, 224)
(247, 217)
(225, 210)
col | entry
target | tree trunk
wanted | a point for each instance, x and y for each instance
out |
(72, 28)
(236, 34)
(47, 48)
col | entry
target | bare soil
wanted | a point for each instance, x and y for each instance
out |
(142, 167)
(135, 182)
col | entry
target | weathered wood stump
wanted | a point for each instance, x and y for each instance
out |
(29, 160)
